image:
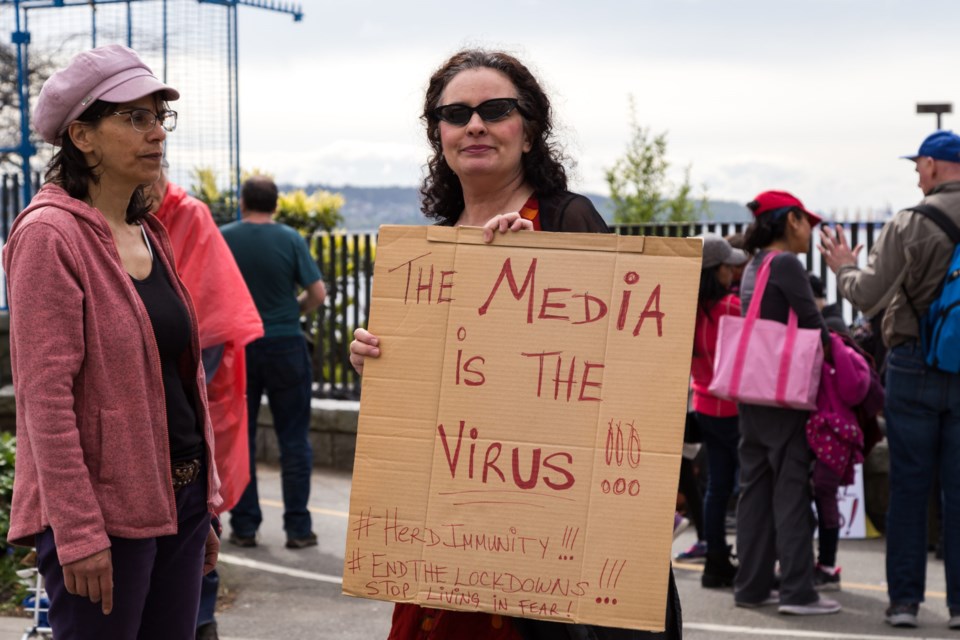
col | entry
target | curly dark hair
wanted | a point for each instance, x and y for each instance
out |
(542, 166)
(69, 170)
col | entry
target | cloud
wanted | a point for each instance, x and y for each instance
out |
(806, 94)
(342, 162)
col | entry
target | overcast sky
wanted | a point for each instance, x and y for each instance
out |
(817, 97)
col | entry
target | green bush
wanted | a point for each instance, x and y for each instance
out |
(308, 214)
(12, 591)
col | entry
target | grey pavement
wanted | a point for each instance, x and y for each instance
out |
(276, 593)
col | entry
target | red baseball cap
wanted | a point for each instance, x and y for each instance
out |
(778, 203)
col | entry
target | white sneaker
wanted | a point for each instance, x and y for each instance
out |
(815, 608)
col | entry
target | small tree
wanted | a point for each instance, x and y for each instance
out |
(204, 186)
(222, 203)
(639, 188)
(42, 65)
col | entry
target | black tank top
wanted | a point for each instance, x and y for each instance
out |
(171, 329)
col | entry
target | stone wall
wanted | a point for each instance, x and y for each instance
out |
(333, 430)
(4, 348)
(333, 433)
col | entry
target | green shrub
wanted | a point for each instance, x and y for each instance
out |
(308, 214)
(12, 591)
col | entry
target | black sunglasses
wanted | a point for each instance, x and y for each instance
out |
(489, 111)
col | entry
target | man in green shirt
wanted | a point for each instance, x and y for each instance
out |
(275, 261)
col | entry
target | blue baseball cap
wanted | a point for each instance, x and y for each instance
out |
(940, 145)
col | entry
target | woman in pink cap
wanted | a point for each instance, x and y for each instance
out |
(115, 481)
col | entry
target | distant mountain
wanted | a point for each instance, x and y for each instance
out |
(366, 208)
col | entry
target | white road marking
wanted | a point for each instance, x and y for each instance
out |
(847, 586)
(319, 510)
(792, 633)
(239, 561)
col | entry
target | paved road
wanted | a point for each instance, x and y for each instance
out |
(275, 593)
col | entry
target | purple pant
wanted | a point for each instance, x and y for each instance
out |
(825, 484)
(156, 581)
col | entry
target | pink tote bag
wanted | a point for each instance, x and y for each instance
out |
(764, 361)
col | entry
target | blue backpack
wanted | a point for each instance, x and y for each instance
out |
(940, 325)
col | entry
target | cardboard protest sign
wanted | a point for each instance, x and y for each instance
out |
(519, 438)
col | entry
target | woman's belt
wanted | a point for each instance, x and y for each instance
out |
(185, 472)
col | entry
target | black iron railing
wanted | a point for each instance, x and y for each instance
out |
(346, 261)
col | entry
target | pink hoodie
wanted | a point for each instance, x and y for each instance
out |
(833, 431)
(93, 453)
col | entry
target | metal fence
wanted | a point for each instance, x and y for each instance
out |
(346, 261)
(10, 206)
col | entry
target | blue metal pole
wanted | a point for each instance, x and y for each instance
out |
(93, 25)
(129, 25)
(26, 149)
(164, 41)
(236, 101)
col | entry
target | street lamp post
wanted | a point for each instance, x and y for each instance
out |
(938, 108)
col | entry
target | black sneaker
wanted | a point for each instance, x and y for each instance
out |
(954, 619)
(242, 541)
(772, 598)
(302, 543)
(718, 572)
(902, 615)
(823, 580)
(208, 631)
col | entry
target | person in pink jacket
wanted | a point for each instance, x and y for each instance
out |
(834, 435)
(115, 480)
(719, 424)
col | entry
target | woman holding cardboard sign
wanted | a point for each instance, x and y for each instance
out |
(774, 519)
(495, 165)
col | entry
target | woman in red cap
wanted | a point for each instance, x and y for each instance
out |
(774, 521)
(115, 480)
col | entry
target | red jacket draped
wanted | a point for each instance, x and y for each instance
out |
(227, 316)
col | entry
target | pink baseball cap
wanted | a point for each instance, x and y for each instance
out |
(112, 73)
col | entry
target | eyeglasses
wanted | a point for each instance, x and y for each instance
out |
(489, 111)
(144, 120)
